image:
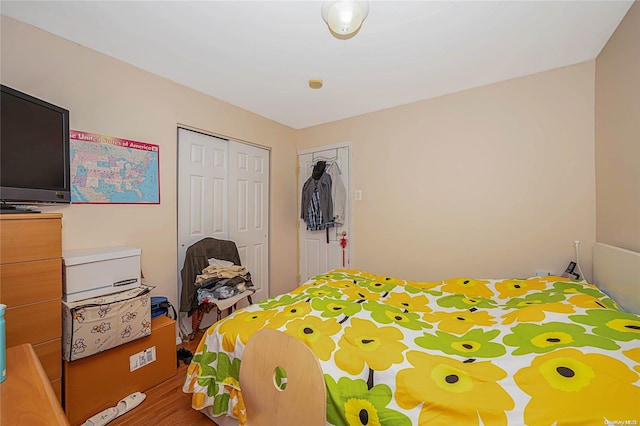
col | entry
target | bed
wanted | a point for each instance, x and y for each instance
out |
(536, 351)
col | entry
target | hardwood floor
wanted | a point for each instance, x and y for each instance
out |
(166, 404)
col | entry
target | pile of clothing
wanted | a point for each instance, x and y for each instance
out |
(221, 280)
(323, 198)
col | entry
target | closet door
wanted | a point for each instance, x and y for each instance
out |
(249, 211)
(202, 190)
(223, 192)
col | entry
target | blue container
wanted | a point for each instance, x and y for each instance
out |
(3, 348)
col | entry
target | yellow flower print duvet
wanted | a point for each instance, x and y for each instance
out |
(462, 351)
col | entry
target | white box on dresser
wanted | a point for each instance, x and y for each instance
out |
(99, 271)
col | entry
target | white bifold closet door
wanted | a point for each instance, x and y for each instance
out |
(249, 211)
(223, 192)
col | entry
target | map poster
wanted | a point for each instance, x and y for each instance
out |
(107, 170)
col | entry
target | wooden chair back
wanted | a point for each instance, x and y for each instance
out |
(301, 402)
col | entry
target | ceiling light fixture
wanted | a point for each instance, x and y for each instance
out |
(344, 17)
(315, 83)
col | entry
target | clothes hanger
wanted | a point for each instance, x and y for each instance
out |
(315, 157)
(329, 161)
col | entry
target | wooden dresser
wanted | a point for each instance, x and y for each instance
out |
(31, 287)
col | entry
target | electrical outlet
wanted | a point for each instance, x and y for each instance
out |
(543, 273)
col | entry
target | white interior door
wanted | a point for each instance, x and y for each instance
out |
(318, 256)
(223, 192)
(202, 190)
(249, 211)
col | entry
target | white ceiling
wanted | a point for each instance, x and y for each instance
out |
(259, 55)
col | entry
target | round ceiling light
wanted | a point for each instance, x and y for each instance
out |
(344, 17)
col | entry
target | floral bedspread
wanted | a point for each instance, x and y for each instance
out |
(463, 351)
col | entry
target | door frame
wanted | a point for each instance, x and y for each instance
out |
(349, 207)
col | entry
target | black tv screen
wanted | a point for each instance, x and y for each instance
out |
(34, 150)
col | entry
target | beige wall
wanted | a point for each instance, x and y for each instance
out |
(618, 136)
(491, 182)
(110, 97)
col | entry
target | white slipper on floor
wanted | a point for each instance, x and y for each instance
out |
(128, 403)
(102, 418)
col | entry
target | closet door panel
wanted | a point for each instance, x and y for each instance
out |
(249, 225)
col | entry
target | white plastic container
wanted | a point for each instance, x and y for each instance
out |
(96, 272)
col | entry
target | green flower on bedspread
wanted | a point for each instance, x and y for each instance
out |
(476, 343)
(283, 300)
(366, 343)
(211, 381)
(534, 299)
(228, 376)
(417, 287)
(543, 338)
(571, 288)
(460, 301)
(221, 404)
(321, 291)
(584, 295)
(616, 325)
(386, 314)
(355, 273)
(202, 370)
(533, 307)
(228, 370)
(409, 303)
(331, 308)
(339, 276)
(202, 361)
(352, 403)
(199, 398)
(451, 392)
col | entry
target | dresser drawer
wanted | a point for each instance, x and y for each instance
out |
(50, 355)
(30, 282)
(57, 389)
(35, 323)
(26, 240)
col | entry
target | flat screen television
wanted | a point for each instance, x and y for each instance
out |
(34, 151)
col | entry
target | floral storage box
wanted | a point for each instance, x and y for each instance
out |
(95, 325)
